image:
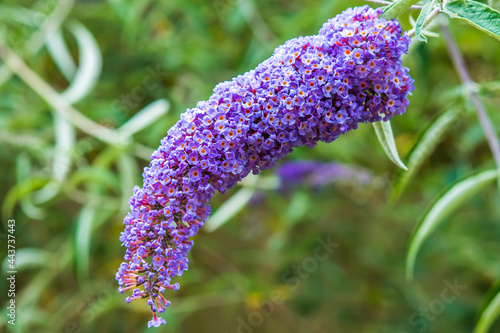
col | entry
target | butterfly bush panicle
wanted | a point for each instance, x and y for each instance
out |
(312, 89)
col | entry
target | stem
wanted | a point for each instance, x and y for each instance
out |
(397, 9)
(484, 120)
(435, 12)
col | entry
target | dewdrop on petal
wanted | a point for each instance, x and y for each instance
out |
(312, 89)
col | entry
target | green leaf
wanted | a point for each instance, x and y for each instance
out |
(90, 64)
(61, 54)
(395, 9)
(477, 14)
(36, 285)
(65, 142)
(299, 204)
(23, 172)
(82, 240)
(232, 206)
(18, 191)
(446, 203)
(19, 14)
(89, 175)
(490, 310)
(145, 117)
(421, 20)
(489, 87)
(383, 130)
(127, 167)
(423, 148)
(388, 9)
(31, 258)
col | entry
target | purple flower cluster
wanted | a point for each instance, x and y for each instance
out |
(312, 89)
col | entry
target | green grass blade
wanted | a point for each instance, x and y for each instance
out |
(443, 207)
(385, 136)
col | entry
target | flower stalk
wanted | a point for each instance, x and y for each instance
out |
(470, 85)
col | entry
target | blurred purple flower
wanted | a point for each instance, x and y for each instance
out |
(317, 174)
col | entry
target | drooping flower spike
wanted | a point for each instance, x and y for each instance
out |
(312, 89)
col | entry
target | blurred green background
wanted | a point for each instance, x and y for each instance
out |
(68, 190)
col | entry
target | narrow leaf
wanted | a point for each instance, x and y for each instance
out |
(489, 87)
(490, 310)
(65, 142)
(383, 130)
(28, 186)
(398, 7)
(19, 14)
(46, 193)
(423, 148)
(31, 258)
(61, 55)
(145, 117)
(444, 206)
(232, 206)
(89, 176)
(388, 9)
(64, 130)
(477, 14)
(90, 64)
(82, 240)
(421, 20)
(23, 172)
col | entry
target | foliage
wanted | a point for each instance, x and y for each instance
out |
(103, 82)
